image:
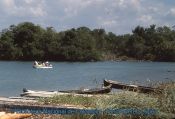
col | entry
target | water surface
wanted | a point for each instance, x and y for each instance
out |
(14, 76)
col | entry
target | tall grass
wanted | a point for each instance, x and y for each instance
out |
(164, 103)
(70, 100)
(166, 100)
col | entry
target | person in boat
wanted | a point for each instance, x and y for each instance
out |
(47, 63)
(38, 63)
(43, 64)
(35, 63)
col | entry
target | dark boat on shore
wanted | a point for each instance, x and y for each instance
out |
(102, 90)
(135, 88)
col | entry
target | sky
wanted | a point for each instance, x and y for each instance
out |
(117, 16)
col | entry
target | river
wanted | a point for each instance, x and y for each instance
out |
(16, 75)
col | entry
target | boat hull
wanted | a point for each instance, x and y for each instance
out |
(32, 93)
(135, 88)
(43, 67)
(90, 91)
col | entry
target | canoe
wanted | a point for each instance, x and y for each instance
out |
(36, 93)
(102, 90)
(45, 94)
(130, 87)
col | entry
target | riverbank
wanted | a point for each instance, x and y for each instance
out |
(162, 103)
(127, 105)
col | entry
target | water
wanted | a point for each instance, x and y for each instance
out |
(14, 76)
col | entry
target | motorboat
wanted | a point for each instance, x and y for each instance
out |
(42, 65)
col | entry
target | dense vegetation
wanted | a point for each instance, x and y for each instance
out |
(28, 41)
(162, 103)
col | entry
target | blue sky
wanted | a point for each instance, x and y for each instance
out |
(118, 16)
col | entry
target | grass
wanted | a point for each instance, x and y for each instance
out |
(164, 103)
(70, 100)
(166, 100)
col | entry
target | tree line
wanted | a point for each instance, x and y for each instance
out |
(27, 41)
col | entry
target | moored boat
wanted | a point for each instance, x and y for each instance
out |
(102, 90)
(33, 93)
(130, 87)
(43, 65)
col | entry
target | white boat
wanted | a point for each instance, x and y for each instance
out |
(42, 65)
(37, 93)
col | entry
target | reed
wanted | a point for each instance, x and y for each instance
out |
(166, 100)
(164, 103)
(69, 99)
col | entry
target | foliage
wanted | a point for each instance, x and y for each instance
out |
(28, 41)
(167, 98)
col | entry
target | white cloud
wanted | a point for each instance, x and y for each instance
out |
(106, 22)
(109, 23)
(73, 7)
(153, 9)
(125, 4)
(23, 8)
(135, 3)
(147, 19)
(172, 11)
(38, 11)
(29, 1)
(9, 3)
(110, 14)
(121, 2)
